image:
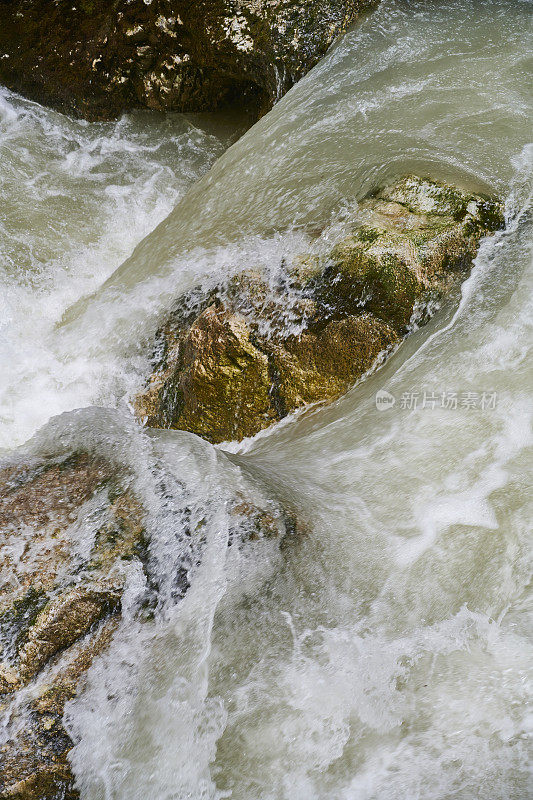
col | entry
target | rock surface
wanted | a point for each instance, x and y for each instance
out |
(232, 361)
(94, 59)
(71, 530)
(65, 528)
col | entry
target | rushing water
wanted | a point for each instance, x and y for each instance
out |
(76, 199)
(385, 654)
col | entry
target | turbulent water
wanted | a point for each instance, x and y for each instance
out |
(75, 200)
(386, 653)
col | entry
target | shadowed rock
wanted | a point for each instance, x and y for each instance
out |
(94, 58)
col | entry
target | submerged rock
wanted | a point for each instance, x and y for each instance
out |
(72, 531)
(94, 59)
(230, 362)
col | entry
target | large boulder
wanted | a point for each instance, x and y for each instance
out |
(73, 531)
(94, 58)
(232, 361)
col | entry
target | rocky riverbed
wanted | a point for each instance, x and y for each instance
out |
(231, 363)
(225, 569)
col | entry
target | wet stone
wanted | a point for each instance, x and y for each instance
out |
(230, 362)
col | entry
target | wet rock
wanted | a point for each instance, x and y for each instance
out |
(94, 58)
(63, 621)
(72, 529)
(254, 521)
(34, 758)
(228, 363)
(59, 600)
(219, 363)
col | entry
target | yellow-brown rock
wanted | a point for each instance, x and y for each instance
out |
(254, 352)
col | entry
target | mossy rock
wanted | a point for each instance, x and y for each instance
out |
(228, 363)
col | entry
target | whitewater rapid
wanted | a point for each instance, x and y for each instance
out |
(386, 653)
(76, 199)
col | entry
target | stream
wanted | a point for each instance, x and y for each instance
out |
(386, 653)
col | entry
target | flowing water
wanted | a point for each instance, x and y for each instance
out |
(76, 199)
(385, 653)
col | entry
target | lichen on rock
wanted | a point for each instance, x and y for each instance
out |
(231, 367)
(94, 58)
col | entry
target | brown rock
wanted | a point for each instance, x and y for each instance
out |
(59, 606)
(63, 621)
(34, 764)
(235, 364)
(324, 364)
(56, 607)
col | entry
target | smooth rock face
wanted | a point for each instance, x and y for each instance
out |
(71, 530)
(94, 58)
(228, 363)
